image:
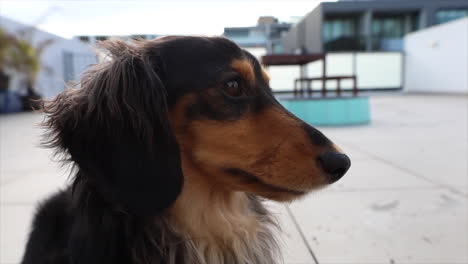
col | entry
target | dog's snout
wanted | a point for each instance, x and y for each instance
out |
(334, 164)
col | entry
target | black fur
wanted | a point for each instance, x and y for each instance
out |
(51, 230)
(116, 132)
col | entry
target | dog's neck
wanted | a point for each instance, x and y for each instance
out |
(212, 215)
(223, 226)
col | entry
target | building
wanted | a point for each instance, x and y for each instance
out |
(266, 34)
(259, 39)
(437, 59)
(367, 25)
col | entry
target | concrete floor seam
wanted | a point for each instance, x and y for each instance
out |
(301, 233)
(409, 171)
(384, 189)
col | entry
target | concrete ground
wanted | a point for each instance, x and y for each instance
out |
(404, 200)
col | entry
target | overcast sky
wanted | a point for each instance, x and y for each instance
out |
(68, 18)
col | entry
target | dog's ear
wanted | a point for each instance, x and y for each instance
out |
(116, 130)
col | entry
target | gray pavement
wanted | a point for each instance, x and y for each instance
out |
(404, 200)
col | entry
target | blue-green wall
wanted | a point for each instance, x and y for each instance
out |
(331, 111)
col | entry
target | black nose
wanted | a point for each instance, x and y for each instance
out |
(334, 164)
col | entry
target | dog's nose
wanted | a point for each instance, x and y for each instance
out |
(334, 164)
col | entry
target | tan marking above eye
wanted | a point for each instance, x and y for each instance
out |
(265, 76)
(245, 69)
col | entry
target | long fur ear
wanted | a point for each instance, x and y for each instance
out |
(115, 129)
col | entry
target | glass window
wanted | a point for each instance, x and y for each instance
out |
(101, 38)
(84, 38)
(388, 30)
(390, 27)
(339, 27)
(443, 16)
(341, 33)
(236, 33)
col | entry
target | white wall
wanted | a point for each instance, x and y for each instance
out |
(437, 59)
(379, 70)
(374, 70)
(50, 83)
(282, 77)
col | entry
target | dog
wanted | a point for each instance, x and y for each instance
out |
(175, 144)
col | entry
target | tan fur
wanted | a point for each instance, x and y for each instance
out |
(213, 211)
(244, 68)
(265, 75)
(213, 217)
(270, 145)
(204, 208)
(337, 148)
(199, 192)
(216, 220)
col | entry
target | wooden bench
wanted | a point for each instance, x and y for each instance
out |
(299, 89)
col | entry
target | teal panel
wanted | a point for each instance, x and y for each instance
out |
(330, 111)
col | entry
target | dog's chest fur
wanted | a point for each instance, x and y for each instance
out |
(236, 229)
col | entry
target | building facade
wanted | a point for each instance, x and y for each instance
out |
(266, 34)
(261, 38)
(367, 25)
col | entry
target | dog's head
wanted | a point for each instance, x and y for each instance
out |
(197, 100)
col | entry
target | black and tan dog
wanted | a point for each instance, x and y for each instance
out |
(173, 143)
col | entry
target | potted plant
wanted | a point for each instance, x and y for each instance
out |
(5, 44)
(21, 56)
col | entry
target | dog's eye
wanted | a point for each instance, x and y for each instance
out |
(232, 84)
(233, 88)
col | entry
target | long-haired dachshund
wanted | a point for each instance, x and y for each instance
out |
(174, 143)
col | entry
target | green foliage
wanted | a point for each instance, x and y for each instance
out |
(17, 52)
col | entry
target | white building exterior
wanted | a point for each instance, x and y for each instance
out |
(437, 59)
(65, 58)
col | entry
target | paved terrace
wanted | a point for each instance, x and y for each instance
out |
(404, 199)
